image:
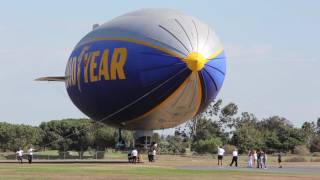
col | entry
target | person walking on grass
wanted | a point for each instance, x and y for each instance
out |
(234, 158)
(220, 155)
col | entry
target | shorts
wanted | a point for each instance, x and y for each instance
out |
(220, 157)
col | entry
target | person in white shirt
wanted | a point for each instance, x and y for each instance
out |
(134, 154)
(30, 154)
(234, 158)
(19, 154)
(250, 159)
(255, 158)
(154, 152)
(220, 155)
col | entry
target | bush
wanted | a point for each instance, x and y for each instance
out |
(316, 154)
(296, 159)
(301, 150)
(206, 146)
(315, 160)
(228, 148)
(315, 144)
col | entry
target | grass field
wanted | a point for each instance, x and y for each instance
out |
(166, 167)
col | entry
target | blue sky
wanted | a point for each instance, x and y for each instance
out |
(272, 48)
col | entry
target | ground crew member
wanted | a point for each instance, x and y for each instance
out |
(154, 152)
(19, 155)
(234, 158)
(30, 154)
(279, 160)
(150, 155)
(134, 154)
(220, 155)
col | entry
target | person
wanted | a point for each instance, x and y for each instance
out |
(234, 158)
(19, 155)
(220, 155)
(264, 159)
(30, 154)
(255, 158)
(130, 155)
(134, 154)
(259, 159)
(154, 152)
(279, 160)
(250, 159)
(150, 155)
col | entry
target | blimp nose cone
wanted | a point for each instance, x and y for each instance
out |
(195, 61)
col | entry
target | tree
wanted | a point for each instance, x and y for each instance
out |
(227, 113)
(104, 136)
(309, 130)
(210, 112)
(12, 136)
(318, 126)
(68, 134)
(247, 137)
(315, 144)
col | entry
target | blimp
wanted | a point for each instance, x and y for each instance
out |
(145, 70)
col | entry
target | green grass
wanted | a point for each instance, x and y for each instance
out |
(138, 171)
(88, 169)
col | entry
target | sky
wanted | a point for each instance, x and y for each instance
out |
(272, 48)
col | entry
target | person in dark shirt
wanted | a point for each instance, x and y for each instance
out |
(259, 164)
(279, 160)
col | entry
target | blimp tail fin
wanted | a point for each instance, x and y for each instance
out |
(52, 78)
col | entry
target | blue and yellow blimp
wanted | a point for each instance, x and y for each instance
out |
(145, 70)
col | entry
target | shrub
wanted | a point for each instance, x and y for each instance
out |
(316, 154)
(315, 160)
(228, 148)
(301, 150)
(206, 146)
(315, 144)
(296, 159)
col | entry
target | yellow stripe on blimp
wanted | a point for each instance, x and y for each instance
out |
(216, 53)
(142, 43)
(170, 52)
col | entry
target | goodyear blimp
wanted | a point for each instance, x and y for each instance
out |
(145, 70)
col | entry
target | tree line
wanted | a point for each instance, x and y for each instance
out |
(217, 126)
